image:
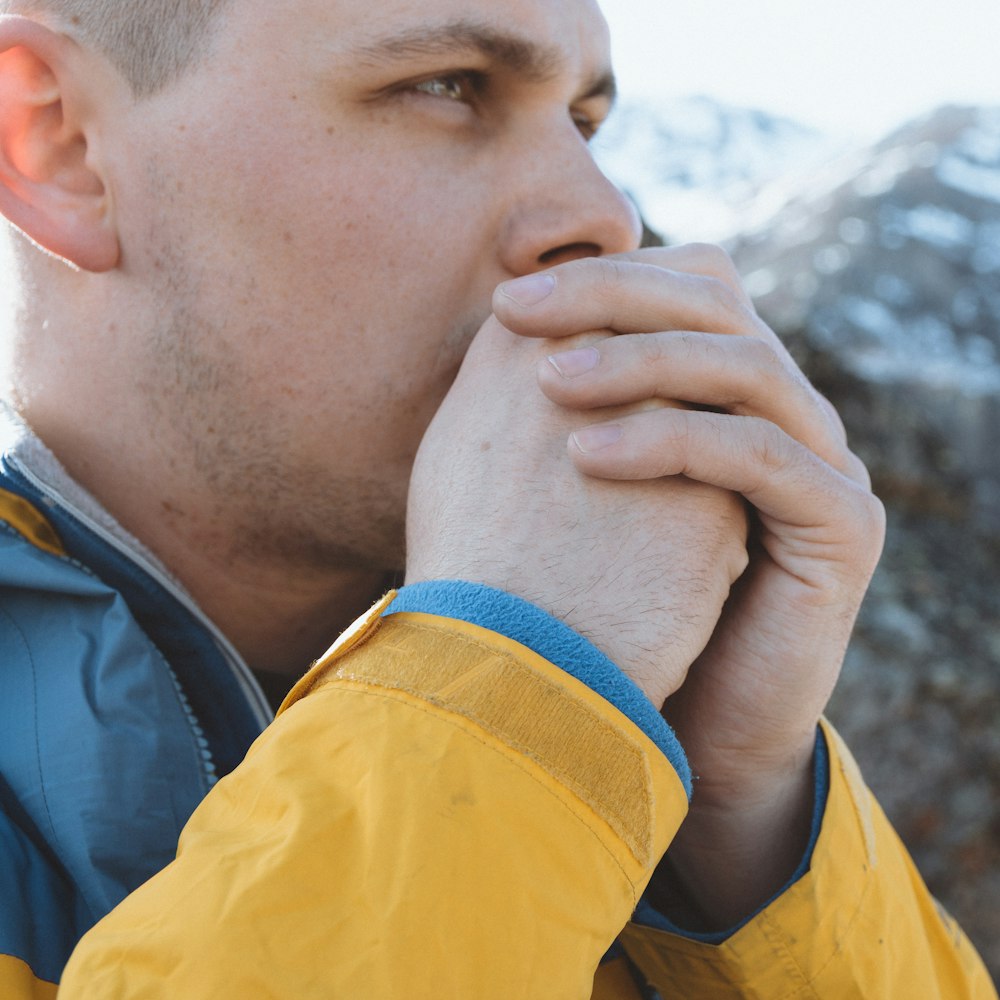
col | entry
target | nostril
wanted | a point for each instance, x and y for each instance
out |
(570, 251)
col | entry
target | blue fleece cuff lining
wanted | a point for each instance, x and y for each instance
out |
(549, 638)
(649, 917)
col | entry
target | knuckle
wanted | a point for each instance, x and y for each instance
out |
(859, 506)
(718, 289)
(825, 403)
(835, 421)
(713, 256)
(866, 521)
(651, 349)
(770, 449)
(785, 377)
(729, 302)
(760, 357)
(774, 448)
(717, 261)
(666, 435)
(694, 347)
(610, 273)
(873, 513)
(857, 471)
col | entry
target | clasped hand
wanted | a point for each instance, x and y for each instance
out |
(625, 515)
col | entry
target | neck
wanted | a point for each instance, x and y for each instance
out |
(279, 613)
(249, 555)
(281, 624)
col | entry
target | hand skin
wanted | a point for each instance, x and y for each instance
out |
(640, 568)
(746, 710)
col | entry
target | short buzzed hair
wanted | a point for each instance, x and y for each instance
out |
(151, 42)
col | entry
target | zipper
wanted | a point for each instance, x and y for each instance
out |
(240, 671)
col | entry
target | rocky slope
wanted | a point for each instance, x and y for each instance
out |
(883, 276)
(881, 270)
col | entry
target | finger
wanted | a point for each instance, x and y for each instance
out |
(817, 516)
(623, 295)
(742, 375)
(706, 259)
(832, 414)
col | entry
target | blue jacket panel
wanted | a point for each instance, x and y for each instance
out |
(86, 693)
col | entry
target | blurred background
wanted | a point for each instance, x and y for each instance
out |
(848, 156)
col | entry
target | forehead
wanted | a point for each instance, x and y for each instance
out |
(570, 34)
(544, 18)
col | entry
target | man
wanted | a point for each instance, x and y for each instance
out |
(263, 238)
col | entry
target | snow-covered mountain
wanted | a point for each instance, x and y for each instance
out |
(880, 268)
(695, 166)
(892, 260)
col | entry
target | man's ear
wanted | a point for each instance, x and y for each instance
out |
(51, 187)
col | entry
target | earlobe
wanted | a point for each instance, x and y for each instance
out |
(49, 186)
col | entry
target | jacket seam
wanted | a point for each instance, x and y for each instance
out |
(56, 840)
(842, 939)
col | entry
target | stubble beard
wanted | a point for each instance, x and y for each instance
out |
(257, 498)
(259, 494)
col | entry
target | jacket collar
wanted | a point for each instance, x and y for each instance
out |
(224, 696)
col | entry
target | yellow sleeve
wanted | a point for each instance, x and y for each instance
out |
(436, 812)
(859, 924)
(17, 982)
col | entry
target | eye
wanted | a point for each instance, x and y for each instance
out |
(587, 125)
(462, 87)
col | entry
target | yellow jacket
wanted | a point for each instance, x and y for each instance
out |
(439, 812)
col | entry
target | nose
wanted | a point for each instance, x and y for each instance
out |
(566, 208)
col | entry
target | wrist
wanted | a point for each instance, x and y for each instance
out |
(736, 852)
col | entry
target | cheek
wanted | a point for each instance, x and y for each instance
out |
(355, 255)
(341, 292)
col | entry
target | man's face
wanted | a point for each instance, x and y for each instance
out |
(318, 215)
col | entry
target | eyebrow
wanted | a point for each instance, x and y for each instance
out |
(530, 60)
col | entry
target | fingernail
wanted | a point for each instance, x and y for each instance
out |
(531, 290)
(570, 364)
(595, 438)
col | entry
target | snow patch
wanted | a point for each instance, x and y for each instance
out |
(923, 349)
(965, 308)
(872, 317)
(926, 154)
(881, 177)
(980, 145)
(760, 283)
(854, 231)
(974, 179)
(893, 289)
(956, 374)
(832, 259)
(940, 227)
(695, 165)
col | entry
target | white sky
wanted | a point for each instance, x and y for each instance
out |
(855, 67)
